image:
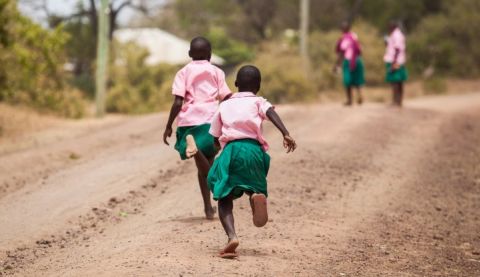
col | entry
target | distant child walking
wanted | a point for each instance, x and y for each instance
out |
(197, 88)
(243, 165)
(349, 58)
(395, 58)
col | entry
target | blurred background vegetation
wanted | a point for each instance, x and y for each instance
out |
(51, 67)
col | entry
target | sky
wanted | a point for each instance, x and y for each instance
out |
(61, 7)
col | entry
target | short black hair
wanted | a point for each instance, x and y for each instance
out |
(345, 25)
(249, 78)
(200, 48)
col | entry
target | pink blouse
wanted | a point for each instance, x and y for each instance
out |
(241, 117)
(201, 85)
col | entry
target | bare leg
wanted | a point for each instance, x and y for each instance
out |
(400, 94)
(359, 96)
(394, 97)
(225, 207)
(349, 96)
(203, 165)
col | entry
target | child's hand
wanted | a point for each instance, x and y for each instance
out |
(289, 143)
(167, 134)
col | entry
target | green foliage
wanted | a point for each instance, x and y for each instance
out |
(409, 12)
(283, 75)
(81, 52)
(137, 88)
(32, 63)
(448, 42)
(232, 51)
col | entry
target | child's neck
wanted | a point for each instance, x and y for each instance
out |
(247, 90)
(200, 59)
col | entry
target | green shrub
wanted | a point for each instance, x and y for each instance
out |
(232, 51)
(283, 74)
(448, 42)
(135, 87)
(32, 60)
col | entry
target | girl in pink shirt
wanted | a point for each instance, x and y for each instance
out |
(394, 58)
(197, 88)
(243, 165)
(350, 60)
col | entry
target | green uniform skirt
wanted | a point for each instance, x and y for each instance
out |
(397, 76)
(242, 167)
(203, 139)
(356, 77)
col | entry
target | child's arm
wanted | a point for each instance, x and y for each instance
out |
(338, 63)
(176, 107)
(288, 141)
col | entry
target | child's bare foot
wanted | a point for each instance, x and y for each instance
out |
(191, 147)
(258, 202)
(229, 251)
(210, 213)
(360, 100)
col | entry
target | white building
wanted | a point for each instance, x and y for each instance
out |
(162, 46)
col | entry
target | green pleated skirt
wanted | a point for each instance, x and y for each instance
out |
(356, 77)
(397, 76)
(241, 167)
(203, 139)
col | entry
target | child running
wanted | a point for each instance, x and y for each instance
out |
(243, 165)
(197, 88)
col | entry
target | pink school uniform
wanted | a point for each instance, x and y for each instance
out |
(201, 85)
(243, 164)
(241, 117)
(396, 40)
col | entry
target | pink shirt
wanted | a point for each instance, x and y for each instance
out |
(201, 85)
(396, 40)
(241, 117)
(347, 46)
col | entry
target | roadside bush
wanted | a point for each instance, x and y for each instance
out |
(232, 51)
(448, 42)
(32, 60)
(283, 76)
(135, 87)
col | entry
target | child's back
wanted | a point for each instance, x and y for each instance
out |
(197, 88)
(241, 117)
(201, 85)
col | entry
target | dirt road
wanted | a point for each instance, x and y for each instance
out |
(371, 191)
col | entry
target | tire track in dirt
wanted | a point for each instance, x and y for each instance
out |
(71, 148)
(331, 204)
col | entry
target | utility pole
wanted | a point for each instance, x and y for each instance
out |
(304, 20)
(102, 56)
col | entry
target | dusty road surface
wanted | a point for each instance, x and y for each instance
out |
(371, 191)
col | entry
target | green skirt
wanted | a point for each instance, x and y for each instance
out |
(203, 139)
(356, 77)
(242, 167)
(397, 76)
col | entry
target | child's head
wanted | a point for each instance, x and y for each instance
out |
(200, 49)
(392, 25)
(248, 79)
(345, 26)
